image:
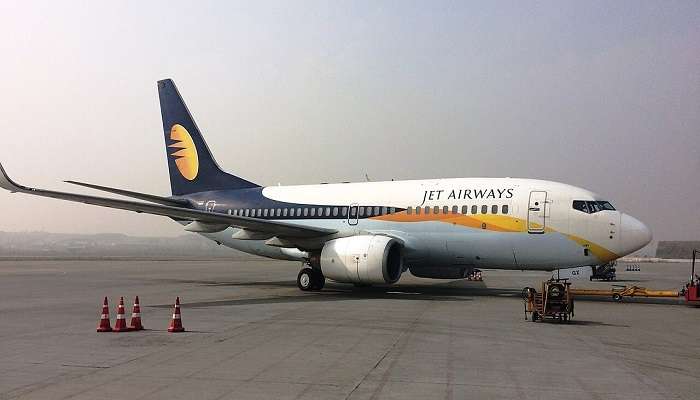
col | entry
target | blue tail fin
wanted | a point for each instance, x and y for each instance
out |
(190, 163)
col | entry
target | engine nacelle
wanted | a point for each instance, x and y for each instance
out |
(362, 259)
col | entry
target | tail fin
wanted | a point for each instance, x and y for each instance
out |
(190, 163)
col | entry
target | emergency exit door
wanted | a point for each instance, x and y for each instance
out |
(537, 212)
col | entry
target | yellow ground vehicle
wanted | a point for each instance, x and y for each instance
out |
(555, 301)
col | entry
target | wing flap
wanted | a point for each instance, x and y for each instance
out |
(278, 228)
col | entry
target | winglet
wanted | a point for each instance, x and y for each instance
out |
(9, 184)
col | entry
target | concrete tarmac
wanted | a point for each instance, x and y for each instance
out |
(251, 334)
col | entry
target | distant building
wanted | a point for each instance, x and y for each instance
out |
(676, 249)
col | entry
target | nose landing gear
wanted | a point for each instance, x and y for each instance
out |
(310, 279)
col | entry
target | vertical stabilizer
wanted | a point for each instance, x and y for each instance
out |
(191, 166)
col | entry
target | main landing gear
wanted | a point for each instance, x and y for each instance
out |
(310, 279)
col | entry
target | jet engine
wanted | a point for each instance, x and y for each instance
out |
(363, 259)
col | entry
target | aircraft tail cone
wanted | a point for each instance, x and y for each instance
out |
(104, 325)
(120, 324)
(135, 324)
(176, 322)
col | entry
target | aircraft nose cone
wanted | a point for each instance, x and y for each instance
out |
(635, 234)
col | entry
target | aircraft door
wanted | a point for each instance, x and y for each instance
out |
(537, 212)
(353, 214)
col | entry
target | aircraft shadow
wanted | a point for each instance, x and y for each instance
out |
(458, 290)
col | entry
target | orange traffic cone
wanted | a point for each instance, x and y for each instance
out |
(176, 322)
(120, 324)
(135, 324)
(104, 325)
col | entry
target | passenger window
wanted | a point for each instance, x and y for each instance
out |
(279, 212)
(436, 210)
(392, 210)
(376, 210)
(494, 209)
(465, 209)
(298, 212)
(344, 211)
(291, 212)
(445, 209)
(383, 211)
(313, 212)
(284, 212)
(306, 211)
(474, 209)
(335, 211)
(246, 212)
(353, 211)
(362, 211)
(259, 213)
(427, 210)
(409, 210)
(455, 210)
(418, 210)
(328, 211)
(369, 211)
(504, 209)
(320, 211)
(484, 209)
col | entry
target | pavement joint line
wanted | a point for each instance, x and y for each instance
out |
(386, 353)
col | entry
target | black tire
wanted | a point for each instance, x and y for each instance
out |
(617, 297)
(319, 281)
(535, 316)
(305, 279)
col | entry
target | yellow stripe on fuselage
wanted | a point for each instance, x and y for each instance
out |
(495, 223)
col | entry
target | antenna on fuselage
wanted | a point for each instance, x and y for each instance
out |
(367, 178)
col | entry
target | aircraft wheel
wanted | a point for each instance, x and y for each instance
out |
(305, 279)
(617, 297)
(535, 315)
(318, 280)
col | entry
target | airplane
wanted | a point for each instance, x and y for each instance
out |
(370, 233)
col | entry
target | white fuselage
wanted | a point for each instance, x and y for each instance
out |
(502, 223)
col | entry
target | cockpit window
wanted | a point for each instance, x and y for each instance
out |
(580, 205)
(605, 205)
(593, 207)
(590, 207)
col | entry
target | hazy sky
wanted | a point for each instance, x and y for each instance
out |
(603, 95)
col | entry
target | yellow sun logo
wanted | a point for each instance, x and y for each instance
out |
(186, 155)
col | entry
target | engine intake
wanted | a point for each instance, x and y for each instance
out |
(362, 259)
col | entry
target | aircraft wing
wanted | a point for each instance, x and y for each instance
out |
(280, 229)
(166, 201)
